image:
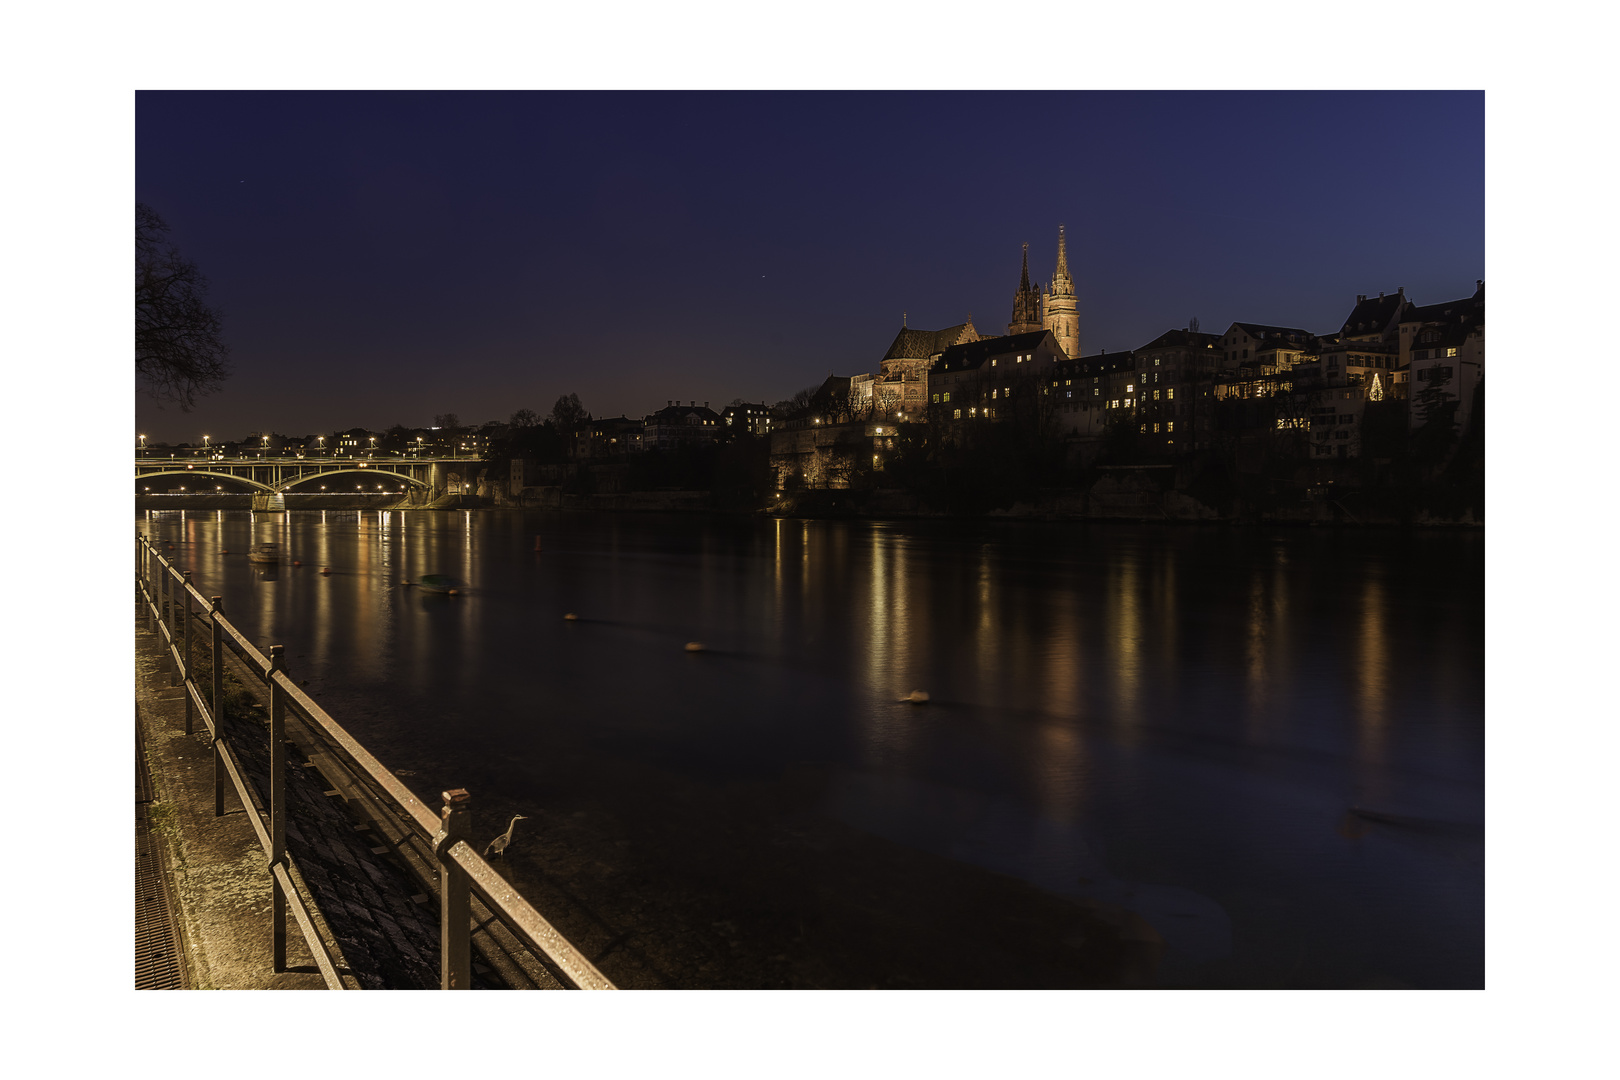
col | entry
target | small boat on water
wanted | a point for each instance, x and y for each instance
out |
(437, 583)
(264, 553)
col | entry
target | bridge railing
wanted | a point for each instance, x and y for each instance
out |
(170, 601)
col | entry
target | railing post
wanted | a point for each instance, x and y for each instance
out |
(168, 622)
(185, 670)
(455, 894)
(218, 690)
(149, 589)
(278, 810)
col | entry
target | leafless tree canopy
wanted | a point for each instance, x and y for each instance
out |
(568, 413)
(179, 355)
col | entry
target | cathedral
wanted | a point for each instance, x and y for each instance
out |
(900, 384)
(1052, 310)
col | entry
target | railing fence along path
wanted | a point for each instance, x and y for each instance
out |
(384, 932)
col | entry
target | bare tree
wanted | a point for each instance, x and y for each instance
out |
(568, 413)
(525, 418)
(448, 421)
(179, 354)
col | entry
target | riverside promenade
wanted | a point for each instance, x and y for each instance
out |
(202, 891)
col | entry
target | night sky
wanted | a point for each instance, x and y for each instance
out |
(383, 257)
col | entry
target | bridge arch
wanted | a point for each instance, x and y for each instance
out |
(290, 484)
(139, 476)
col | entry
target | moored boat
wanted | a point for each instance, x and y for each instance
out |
(265, 553)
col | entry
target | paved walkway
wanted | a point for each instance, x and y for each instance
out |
(213, 866)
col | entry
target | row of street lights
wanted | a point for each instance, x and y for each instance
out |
(320, 439)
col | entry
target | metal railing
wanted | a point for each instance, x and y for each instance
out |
(168, 595)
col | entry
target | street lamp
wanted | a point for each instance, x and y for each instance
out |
(373, 446)
(322, 440)
(143, 444)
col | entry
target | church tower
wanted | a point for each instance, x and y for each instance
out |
(1026, 303)
(1060, 315)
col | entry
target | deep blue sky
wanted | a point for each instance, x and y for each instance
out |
(384, 257)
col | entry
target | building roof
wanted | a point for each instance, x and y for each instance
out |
(1260, 331)
(1372, 314)
(974, 353)
(912, 344)
(1100, 363)
(1187, 339)
(1470, 309)
(677, 414)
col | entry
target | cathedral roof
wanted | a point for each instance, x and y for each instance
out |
(912, 344)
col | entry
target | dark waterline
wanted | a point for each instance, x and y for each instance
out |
(1173, 720)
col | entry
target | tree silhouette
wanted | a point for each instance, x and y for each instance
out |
(179, 354)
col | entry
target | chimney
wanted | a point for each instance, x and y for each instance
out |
(1400, 291)
(705, 404)
(1380, 296)
(1361, 298)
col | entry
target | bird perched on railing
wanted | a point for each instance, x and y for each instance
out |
(498, 845)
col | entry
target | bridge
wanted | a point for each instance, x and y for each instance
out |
(279, 475)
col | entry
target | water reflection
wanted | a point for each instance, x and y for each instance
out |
(1371, 678)
(1160, 713)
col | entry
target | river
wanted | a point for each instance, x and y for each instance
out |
(1173, 721)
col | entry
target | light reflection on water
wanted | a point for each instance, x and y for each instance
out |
(1176, 720)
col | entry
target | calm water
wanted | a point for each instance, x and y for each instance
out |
(1175, 720)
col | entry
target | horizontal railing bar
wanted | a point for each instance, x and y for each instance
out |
(295, 902)
(425, 818)
(229, 758)
(202, 707)
(527, 921)
(245, 648)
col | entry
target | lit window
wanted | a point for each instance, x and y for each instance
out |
(1170, 393)
(1155, 429)
(958, 415)
(992, 361)
(947, 398)
(1171, 426)
(1155, 395)
(1130, 388)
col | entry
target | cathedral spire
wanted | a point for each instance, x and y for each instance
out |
(1026, 303)
(1060, 315)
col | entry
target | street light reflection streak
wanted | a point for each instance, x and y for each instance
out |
(1372, 679)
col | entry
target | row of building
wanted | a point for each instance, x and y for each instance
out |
(1313, 386)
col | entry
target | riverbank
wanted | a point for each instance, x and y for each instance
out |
(1115, 502)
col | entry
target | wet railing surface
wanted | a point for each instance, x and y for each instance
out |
(386, 933)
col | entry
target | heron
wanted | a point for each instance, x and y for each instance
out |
(498, 845)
